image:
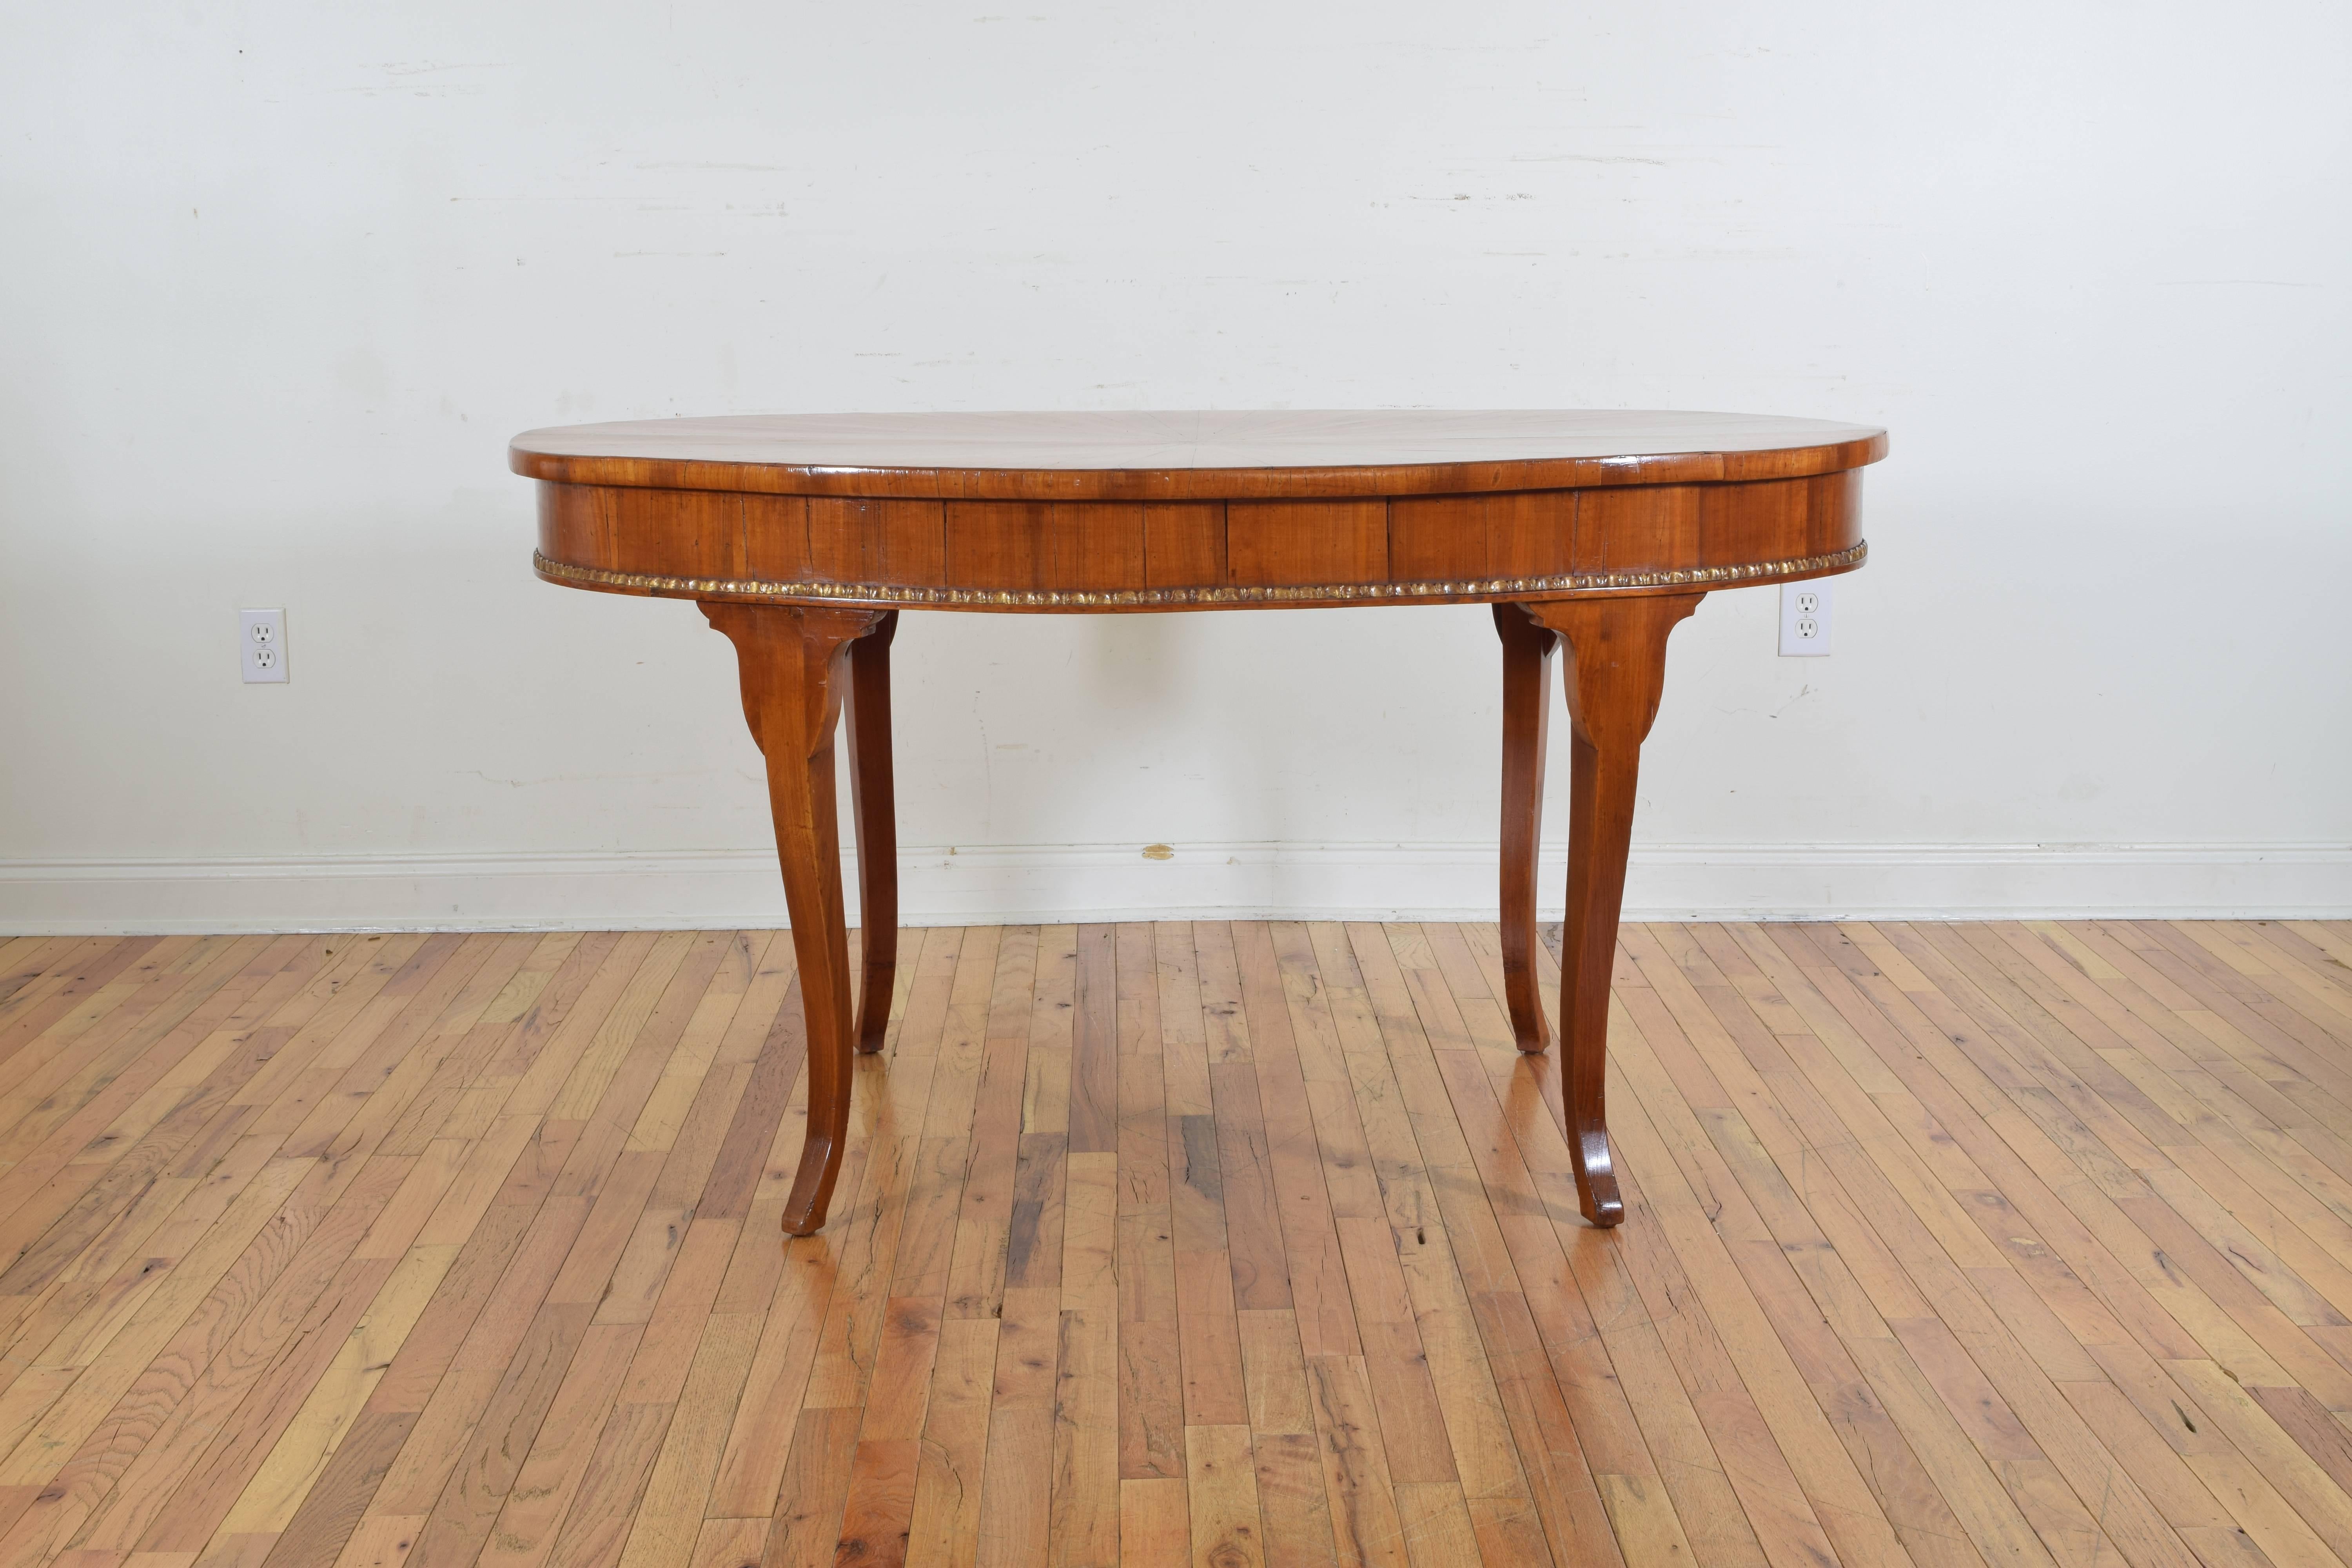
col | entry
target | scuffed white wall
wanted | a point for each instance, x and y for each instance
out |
(279, 281)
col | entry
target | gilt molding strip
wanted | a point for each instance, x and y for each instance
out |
(1151, 598)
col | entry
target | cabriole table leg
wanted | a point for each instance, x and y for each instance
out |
(1616, 668)
(1527, 708)
(792, 661)
(873, 807)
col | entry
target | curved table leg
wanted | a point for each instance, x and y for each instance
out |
(1616, 668)
(1526, 707)
(792, 661)
(873, 809)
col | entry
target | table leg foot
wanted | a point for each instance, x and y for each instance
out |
(812, 1193)
(1596, 1179)
(1616, 673)
(792, 661)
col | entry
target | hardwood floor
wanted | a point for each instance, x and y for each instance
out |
(1178, 1244)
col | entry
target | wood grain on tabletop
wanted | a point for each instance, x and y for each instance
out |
(1215, 1244)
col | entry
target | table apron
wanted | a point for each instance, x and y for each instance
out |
(1111, 556)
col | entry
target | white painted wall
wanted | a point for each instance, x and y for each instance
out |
(278, 281)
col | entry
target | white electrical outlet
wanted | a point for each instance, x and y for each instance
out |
(1804, 619)
(261, 644)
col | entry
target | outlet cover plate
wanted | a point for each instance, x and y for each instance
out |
(261, 645)
(1805, 619)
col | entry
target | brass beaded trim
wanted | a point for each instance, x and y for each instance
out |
(1124, 598)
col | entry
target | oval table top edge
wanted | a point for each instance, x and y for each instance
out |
(779, 455)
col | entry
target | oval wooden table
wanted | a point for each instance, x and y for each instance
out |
(803, 537)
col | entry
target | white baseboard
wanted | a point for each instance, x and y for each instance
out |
(732, 887)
